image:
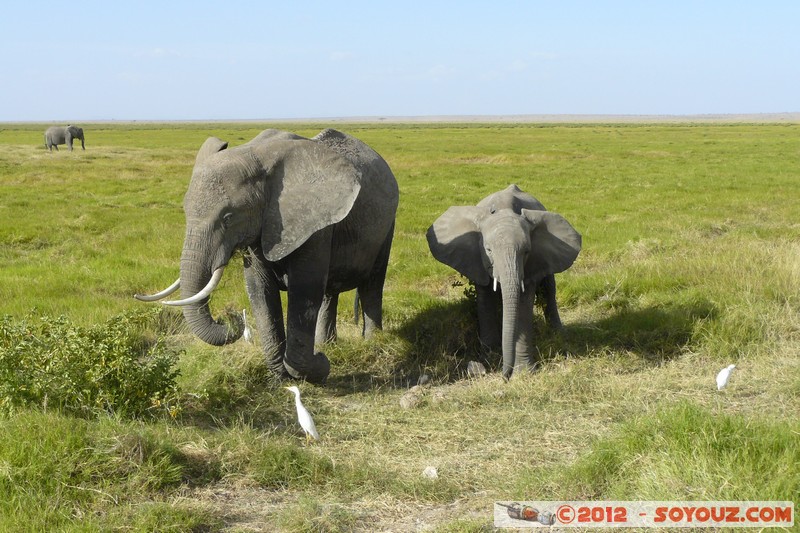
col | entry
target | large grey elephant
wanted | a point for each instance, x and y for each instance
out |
(315, 218)
(55, 135)
(511, 238)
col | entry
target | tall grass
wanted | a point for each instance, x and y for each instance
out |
(690, 262)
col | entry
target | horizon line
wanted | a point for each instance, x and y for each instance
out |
(501, 118)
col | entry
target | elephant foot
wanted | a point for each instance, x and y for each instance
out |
(370, 329)
(279, 371)
(554, 322)
(519, 369)
(325, 338)
(315, 371)
(273, 354)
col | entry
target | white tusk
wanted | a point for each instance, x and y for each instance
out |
(494, 286)
(157, 296)
(212, 284)
(522, 285)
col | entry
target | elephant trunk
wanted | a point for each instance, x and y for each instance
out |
(195, 276)
(512, 287)
(510, 306)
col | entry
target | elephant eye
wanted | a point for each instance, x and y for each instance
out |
(226, 218)
(493, 210)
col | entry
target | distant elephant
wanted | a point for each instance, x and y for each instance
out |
(511, 238)
(56, 135)
(315, 218)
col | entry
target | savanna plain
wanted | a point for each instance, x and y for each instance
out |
(114, 418)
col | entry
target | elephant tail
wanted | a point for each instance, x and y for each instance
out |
(356, 306)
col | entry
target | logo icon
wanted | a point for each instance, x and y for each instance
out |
(565, 514)
(527, 513)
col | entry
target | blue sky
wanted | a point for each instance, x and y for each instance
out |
(177, 60)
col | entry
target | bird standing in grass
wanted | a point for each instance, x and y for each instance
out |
(248, 335)
(724, 374)
(303, 416)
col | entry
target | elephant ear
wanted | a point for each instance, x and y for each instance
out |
(554, 242)
(309, 187)
(455, 240)
(512, 197)
(210, 147)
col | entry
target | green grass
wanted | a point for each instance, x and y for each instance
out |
(647, 457)
(691, 261)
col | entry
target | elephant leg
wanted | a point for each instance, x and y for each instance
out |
(489, 323)
(326, 321)
(370, 293)
(265, 303)
(307, 270)
(547, 291)
(371, 300)
(525, 359)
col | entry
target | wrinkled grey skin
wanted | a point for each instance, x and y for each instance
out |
(56, 135)
(315, 217)
(509, 236)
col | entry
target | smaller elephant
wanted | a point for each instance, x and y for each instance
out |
(56, 135)
(508, 237)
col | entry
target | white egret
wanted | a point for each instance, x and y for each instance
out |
(724, 374)
(303, 416)
(248, 335)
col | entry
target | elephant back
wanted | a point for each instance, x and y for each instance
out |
(55, 132)
(376, 176)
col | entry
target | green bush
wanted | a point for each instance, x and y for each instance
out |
(119, 366)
